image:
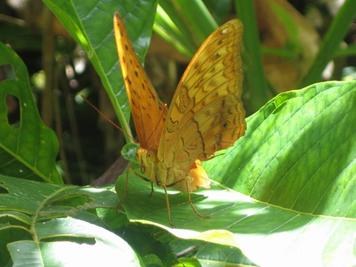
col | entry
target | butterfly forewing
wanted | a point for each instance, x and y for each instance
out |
(147, 110)
(206, 113)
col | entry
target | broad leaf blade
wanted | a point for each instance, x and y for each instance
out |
(37, 209)
(97, 246)
(299, 152)
(23, 199)
(27, 149)
(25, 254)
(295, 167)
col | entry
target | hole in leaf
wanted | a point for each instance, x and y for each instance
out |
(7, 72)
(13, 110)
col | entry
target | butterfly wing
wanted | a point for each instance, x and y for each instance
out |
(148, 111)
(206, 113)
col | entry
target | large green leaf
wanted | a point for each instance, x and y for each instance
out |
(27, 148)
(286, 189)
(91, 24)
(35, 227)
(208, 254)
(96, 246)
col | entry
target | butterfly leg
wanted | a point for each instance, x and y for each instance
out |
(144, 178)
(168, 205)
(195, 210)
(152, 190)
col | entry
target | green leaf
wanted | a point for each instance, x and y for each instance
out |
(91, 25)
(286, 188)
(184, 24)
(220, 9)
(206, 253)
(25, 253)
(34, 210)
(331, 41)
(96, 247)
(255, 80)
(28, 148)
(173, 29)
(188, 262)
(25, 200)
(143, 239)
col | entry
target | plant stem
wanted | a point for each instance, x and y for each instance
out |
(331, 41)
(255, 79)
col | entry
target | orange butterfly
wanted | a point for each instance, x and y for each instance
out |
(206, 113)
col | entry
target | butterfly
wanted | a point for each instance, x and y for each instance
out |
(206, 113)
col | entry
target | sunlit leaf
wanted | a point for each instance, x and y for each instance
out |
(287, 187)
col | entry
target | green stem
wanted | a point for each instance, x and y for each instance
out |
(331, 41)
(346, 52)
(197, 17)
(170, 25)
(255, 79)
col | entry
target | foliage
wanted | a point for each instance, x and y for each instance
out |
(283, 195)
(30, 156)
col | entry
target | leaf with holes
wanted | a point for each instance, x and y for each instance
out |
(284, 194)
(28, 148)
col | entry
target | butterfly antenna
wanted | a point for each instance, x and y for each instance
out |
(103, 115)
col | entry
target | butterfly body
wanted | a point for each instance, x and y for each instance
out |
(186, 180)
